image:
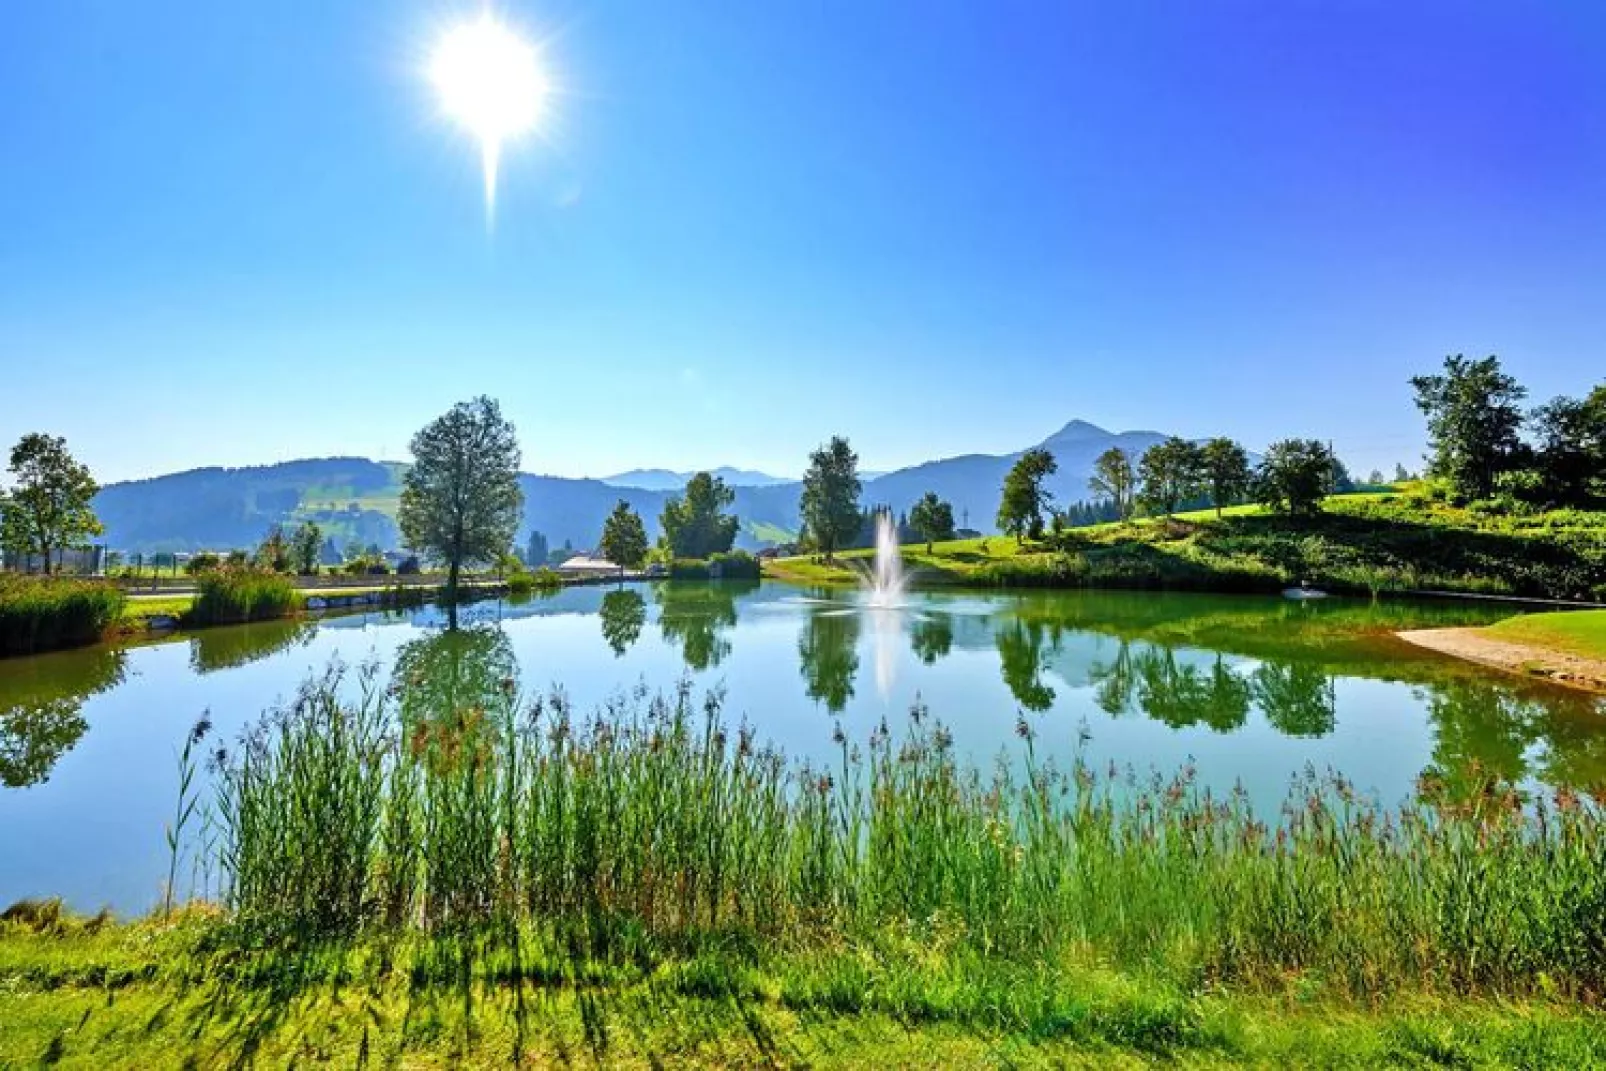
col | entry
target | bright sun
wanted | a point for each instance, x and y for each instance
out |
(490, 81)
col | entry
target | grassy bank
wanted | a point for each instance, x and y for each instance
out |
(45, 613)
(404, 875)
(1578, 632)
(155, 994)
(1361, 544)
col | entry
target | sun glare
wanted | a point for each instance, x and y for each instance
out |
(489, 81)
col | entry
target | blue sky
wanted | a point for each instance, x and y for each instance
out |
(239, 233)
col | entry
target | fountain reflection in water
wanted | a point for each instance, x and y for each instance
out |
(884, 594)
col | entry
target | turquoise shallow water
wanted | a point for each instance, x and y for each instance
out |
(1247, 690)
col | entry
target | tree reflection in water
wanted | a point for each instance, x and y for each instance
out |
(1022, 656)
(931, 637)
(1298, 698)
(213, 649)
(623, 613)
(454, 671)
(41, 708)
(697, 615)
(828, 656)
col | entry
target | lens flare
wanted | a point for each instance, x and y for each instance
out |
(489, 81)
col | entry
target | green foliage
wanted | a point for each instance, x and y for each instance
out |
(231, 596)
(1020, 511)
(306, 543)
(694, 525)
(624, 537)
(204, 562)
(41, 614)
(1295, 476)
(1224, 472)
(830, 498)
(461, 501)
(1361, 543)
(458, 809)
(524, 581)
(1169, 473)
(623, 614)
(49, 508)
(273, 554)
(932, 518)
(1115, 479)
(1571, 448)
(1474, 422)
(736, 565)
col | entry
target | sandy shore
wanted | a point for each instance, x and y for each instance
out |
(1476, 646)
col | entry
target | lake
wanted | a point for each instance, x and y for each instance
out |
(1249, 691)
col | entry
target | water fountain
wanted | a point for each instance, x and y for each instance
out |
(885, 582)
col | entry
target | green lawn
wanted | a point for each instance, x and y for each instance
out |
(135, 611)
(146, 994)
(1579, 632)
(1361, 543)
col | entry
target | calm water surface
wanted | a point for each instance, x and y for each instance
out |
(1249, 690)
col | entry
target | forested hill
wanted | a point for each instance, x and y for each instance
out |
(355, 499)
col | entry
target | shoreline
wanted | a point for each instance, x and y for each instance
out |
(1522, 659)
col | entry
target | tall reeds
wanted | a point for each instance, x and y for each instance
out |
(654, 816)
(237, 595)
(43, 613)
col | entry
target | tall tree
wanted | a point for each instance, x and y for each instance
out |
(1170, 473)
(1020, 511)
(933, 518)
(274, 551)
(1474, 417)
(1295, 475)
(1224, 468)
(830, 501)
(305, 545)
(49, 508)
(694, 523)
(1571, 434)
(624, 538)
(1115, 480)
(461, 500)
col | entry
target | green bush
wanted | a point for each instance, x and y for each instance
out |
(737, 565)
(202, 563)
(233, 596)
(522, 581)
(43, 613)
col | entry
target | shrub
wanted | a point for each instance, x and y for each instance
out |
(233, 596)
(43, 613)
(377, 567)
(736, 565)
(522, 582)
(202, 563)
(409, 566)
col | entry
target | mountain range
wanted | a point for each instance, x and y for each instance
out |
(665, 480)
(355, 499)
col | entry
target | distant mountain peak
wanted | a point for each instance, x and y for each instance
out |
(1078, 431)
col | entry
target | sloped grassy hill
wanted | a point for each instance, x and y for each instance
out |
(1361, 543)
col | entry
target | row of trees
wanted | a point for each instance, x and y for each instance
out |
(1483, 445)
(1293, 477)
